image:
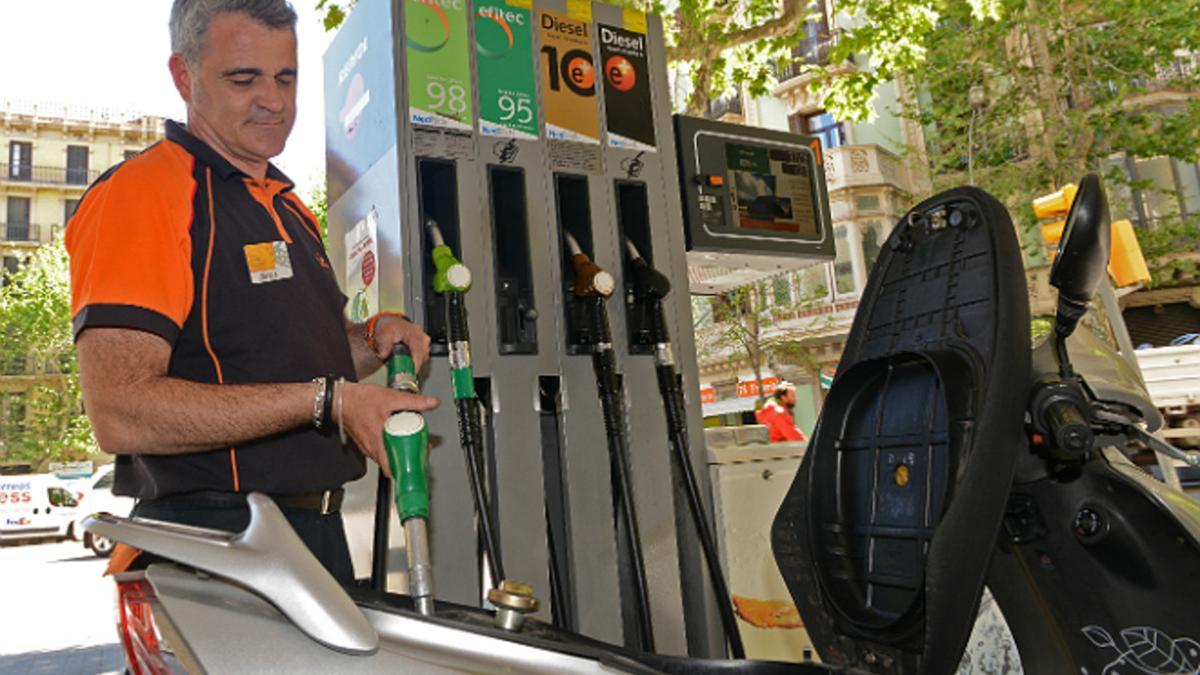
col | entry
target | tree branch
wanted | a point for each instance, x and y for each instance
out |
(784, 24)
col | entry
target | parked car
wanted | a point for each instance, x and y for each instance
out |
(99, 498)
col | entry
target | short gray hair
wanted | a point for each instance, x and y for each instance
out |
(190, 20)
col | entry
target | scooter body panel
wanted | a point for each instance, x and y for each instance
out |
(1096, 568)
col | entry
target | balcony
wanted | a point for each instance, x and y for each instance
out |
(20, 232)
(46, 175)
(850, 166)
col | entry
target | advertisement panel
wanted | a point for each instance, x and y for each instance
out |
(504, 58)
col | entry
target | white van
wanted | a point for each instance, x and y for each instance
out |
(37, 506)
(99, 498)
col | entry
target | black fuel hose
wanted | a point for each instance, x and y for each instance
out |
(604, 364)
(452, 279)
(470, 435)
(592, 286)
(652, 286)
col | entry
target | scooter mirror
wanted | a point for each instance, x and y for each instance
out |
(1082, 258)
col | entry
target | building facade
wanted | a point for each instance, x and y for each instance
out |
(51, 154)
(874, 172)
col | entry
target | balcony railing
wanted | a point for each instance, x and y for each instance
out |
(20, 232)
(812, 51)
(51, 175)
(725, 105)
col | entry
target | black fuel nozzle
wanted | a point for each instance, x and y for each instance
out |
(648, 283)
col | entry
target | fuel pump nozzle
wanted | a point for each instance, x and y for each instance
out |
(591, 281)
(450, 275)
(453, 279)
(651, 286)
(593, 285)
(407, 441)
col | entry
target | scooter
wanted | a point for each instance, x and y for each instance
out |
(949, 455)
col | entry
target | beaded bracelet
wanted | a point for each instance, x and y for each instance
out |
(318, 409)
(369, 329)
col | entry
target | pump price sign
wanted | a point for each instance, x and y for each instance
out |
(626, 89)
(504, 49)
(569, 79)
(439, 66)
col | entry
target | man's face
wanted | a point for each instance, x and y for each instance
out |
(242, 93)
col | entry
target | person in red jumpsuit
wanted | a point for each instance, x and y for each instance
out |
(777, 414)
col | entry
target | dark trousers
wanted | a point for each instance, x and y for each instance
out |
(324, 535)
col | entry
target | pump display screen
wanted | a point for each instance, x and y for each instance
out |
(771, 189)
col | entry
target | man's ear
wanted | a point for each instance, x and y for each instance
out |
(181, 74)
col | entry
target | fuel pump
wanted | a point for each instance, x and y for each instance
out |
(407, 441)
(650, 287)
(592, 287)
(452, 279)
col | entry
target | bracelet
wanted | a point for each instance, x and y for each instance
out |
(369, 329)
(327, 400)
(341, 385)
(318, 401)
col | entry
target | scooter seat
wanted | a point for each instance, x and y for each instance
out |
(884, 537)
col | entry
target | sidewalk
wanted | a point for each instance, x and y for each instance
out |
(94, 660)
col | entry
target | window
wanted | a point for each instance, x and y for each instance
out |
(822, 125)
(872, 241)
(61, 497)
(783, 291)
(105, 482)
(17, 227)
(843, 268)
(1159, 196)
(866, 202)
(69, 206)
(20, 160)
(812, 284)
(14, 412)
(702, 311)
(11, 265)
(77, 164)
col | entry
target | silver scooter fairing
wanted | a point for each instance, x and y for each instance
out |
(258, 601)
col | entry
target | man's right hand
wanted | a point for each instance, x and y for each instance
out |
(366, 407)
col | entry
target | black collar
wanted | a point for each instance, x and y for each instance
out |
(178, 133)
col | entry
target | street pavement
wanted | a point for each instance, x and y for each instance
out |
(56, 612)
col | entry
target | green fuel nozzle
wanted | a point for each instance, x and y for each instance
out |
(406, 439)
(450, 275)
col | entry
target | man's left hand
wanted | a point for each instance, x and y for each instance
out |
(390, 330)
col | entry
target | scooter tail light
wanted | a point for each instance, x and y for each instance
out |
(135, 625)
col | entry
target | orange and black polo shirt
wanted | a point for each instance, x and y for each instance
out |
(232, 273)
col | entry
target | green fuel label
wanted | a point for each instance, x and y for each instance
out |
(439, 64)
(504, 49)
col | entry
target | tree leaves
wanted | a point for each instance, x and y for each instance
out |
(35, 322)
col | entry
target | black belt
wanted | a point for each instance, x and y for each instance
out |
(329, 501)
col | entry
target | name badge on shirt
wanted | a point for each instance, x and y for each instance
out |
(268, 261)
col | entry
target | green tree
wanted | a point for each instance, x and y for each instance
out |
(318, 203)
(756, 325)
(38, 350)
(1024, 96)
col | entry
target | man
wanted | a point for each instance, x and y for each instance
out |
(214, 355)
(777, 414)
